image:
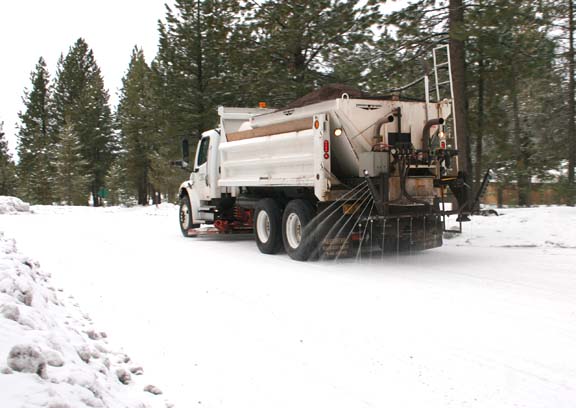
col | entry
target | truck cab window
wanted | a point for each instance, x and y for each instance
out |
(203, 151)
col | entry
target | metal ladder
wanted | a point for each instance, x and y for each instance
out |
(442, 73)
(444, 86)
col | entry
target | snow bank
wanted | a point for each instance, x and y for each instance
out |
(12, 205)
(50, 355)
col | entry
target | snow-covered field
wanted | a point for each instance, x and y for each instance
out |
(488, 320)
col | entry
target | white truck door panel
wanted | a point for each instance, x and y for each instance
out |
(200, 181)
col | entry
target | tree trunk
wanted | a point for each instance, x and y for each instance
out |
(480, 132)
(95, 198)
(142, 194)
(143, 189)
(200, 69)
(571, 107)
(522, 177)
(457, 59)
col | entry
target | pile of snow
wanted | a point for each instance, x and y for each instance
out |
(12, 205)
(50, 354)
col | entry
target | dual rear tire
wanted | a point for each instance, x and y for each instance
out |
(275, 230)
(268, 226)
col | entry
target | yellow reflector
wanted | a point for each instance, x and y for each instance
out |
(350, 208)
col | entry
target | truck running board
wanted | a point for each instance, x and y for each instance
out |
(197, 232)
(210, 231)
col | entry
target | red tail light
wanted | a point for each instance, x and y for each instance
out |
(326, 149)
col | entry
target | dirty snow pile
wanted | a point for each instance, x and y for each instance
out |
(13, 205)
(50, 354)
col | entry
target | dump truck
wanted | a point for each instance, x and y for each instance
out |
(330, 176)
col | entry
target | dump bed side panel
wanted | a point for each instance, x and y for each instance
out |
(279, 160)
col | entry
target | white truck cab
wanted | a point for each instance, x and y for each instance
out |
(203, 183)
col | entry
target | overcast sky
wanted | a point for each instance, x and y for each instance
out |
(33, 28)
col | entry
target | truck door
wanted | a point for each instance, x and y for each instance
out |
(200, 176)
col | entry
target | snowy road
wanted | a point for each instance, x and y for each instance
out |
(489, 320)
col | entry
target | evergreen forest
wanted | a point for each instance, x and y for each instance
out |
(512, 62)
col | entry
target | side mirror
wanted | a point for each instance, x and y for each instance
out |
(185, 151)
(183, 164)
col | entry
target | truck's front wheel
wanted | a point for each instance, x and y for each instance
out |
(267, 226)
(185, 215)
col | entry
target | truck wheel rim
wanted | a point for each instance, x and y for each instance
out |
(293, 230)
(184, 217)
(263, 226)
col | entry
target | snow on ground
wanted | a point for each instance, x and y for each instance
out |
(541, 227)
(12, 205)
(488, 320)
(51, 355)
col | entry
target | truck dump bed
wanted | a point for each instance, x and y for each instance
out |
(283, 148)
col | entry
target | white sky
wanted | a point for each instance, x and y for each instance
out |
(33, 28)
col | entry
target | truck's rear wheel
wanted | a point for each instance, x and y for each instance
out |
(185, 215)
(297, 215)
(268, 227)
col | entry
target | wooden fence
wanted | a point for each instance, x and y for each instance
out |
(507, 194)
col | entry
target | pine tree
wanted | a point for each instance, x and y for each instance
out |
(521, 58)
(35, 143)
(7, 167)
(300, 42)
(571, 102)
(81, 101)
(72, 184)
(457, 40)
(562, 14)
(138, 130)
(193, 64)
(118, 184)
(201, 64)
(417, 29)
(422, 26)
